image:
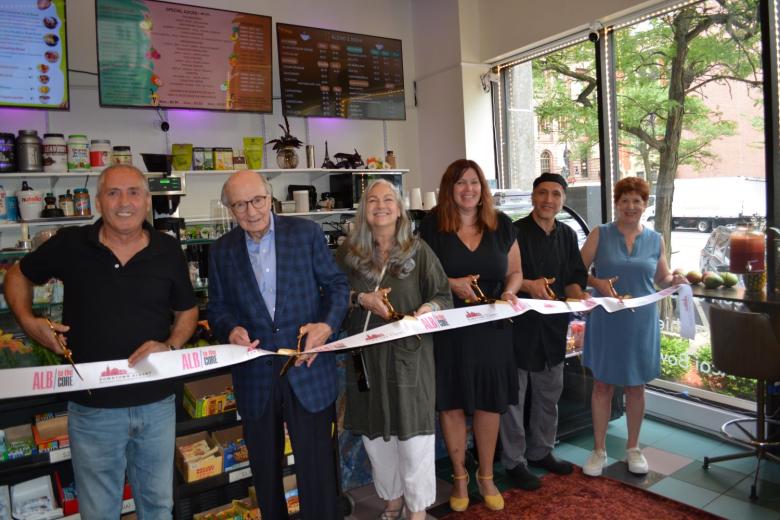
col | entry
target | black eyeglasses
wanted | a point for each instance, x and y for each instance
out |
(258, 202)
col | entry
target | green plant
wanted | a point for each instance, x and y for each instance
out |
(287, 140)
(674, 357)
(720, 382)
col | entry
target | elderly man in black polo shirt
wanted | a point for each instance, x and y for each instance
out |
(552, 267)
(127, 294)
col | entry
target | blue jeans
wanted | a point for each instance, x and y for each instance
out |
(106, 441)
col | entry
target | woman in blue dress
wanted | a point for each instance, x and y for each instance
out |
(623, 348)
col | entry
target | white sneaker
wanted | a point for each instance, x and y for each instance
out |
(637, 463)
(595, 463)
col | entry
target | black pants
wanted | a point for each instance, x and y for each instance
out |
(310, 434)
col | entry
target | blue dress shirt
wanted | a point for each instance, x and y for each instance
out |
(262, 256)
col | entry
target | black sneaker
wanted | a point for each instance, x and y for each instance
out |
(552, 464)
(522, 478)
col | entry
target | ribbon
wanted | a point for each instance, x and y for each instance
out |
(30, 381)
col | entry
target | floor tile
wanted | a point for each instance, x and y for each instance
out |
(732, 508)
(362, 492)
(653, 431)
(664, 462)
(688, 444)
(617, 428)
(715, 479)
(616, 446)
(619, 471)
(768, 492)
(683, 492)
(572, 453)
(770, 471)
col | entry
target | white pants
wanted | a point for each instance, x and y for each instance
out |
(404, 468)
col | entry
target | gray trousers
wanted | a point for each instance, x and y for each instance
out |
(519, 445)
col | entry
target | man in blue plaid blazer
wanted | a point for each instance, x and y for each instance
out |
(269, 278)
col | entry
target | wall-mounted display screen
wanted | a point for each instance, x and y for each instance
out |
(33, 54)
(160, 54)
(327, 73)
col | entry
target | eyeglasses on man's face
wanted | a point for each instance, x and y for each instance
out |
(258, 202)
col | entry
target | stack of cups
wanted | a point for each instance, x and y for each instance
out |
(416, 199)
(301, 199)
(430, 200)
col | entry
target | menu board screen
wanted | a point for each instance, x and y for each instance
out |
(327, 73)
(160, 54)
(33, 60)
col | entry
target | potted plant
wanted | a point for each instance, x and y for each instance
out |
(285, 146)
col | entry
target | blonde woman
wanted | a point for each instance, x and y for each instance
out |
(395, 415)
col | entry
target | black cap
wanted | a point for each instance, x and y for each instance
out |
(551, 177)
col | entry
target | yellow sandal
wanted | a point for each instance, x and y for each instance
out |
(460, 504)
(494, 502)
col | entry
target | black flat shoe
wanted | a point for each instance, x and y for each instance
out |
(552, 464)
(524, 479)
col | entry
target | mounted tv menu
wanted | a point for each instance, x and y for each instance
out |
(160, 54)
(33, 54)
(327, 73)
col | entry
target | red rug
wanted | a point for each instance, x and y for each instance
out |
(576, 496)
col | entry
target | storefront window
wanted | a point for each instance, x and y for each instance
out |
(690, 121)
(550, 124)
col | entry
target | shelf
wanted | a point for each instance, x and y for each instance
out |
(187, 490)
(128, 506)
(50, 222)
(39, 460)
(47, 175)
(186, 425)
(280, 171)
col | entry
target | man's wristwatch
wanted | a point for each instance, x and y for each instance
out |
(354, 299)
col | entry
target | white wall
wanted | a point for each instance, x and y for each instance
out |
(136, 127)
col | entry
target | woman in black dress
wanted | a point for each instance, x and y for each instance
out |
(475, 367)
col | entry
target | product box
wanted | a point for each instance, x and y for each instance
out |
(182, 157)
(253, 152)
(234, 452)
(50, 431)
(243, 509)
(34, 500)
(5, 503)
(19, 441)
(66, 495)
(209, 396)
(290, 484)
(200, 467)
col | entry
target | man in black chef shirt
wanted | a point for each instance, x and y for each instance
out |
(127, 294)
(551, 265)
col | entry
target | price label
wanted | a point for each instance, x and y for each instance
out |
(239, 474)
(128, 506)
(59, 455)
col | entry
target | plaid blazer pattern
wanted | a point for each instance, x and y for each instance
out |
(310, 288)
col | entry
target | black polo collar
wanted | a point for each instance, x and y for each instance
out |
(154, 247)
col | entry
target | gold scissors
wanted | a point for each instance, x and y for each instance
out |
(548, 289)
(394, 315)
(481, 298)
(292, 353)
(616, 295)
(66, 352)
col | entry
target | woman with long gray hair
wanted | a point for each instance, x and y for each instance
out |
(391, 273)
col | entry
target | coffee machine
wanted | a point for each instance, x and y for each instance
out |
(166, 189)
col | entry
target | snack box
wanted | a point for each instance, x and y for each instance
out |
(234, 452)
(209, 396)
(290, 484)
(243, 509)
(19, 441)
(200, 469)
(34, 500)
(50, 432)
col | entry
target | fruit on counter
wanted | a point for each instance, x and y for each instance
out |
(729, 279)
(712, 280)
(694, 277)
